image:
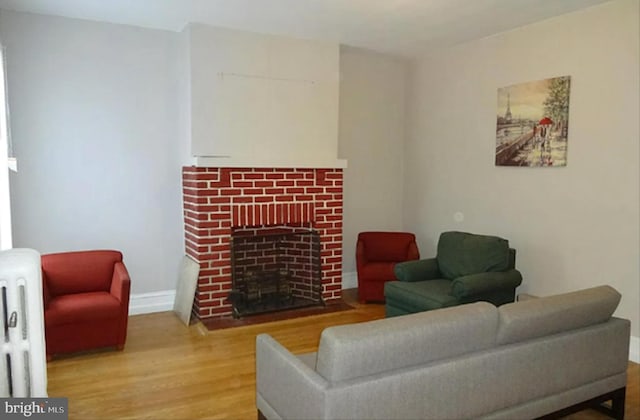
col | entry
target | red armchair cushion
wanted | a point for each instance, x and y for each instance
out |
(79, 272)
(82, 307)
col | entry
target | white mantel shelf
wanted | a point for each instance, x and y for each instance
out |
(229, 162)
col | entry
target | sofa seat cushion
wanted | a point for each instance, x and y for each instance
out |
(461, 254)
(422, 295)
(378, 271)
(81, 307)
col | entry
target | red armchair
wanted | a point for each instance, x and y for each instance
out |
(376, 255)
(86, 301)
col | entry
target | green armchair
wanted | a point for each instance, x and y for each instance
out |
(467, 268)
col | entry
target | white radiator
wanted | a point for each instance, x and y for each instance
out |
(23, 364)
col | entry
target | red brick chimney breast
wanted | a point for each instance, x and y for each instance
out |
(216, 201)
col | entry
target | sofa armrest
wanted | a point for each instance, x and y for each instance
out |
(120, 283)
(418, 270)
(289, 387)
(475, 284)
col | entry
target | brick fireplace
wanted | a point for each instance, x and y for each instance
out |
(221, 201)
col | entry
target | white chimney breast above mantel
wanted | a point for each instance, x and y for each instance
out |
(228, 162)
(259, 100)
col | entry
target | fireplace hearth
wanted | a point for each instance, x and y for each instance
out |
(275, 270)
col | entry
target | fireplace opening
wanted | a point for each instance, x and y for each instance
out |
(274, 270)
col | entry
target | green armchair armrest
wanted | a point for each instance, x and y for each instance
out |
(417, 270)
(475, 284)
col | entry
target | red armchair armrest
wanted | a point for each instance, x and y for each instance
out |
(121, 283)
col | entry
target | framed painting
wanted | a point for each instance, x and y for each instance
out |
(532, 124)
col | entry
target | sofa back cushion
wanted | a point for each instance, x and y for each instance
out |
(387, 246)
(535, 318)
(356, 350)
(461, 254)
(79, 272)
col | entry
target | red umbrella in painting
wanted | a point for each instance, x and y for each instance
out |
(545, 121)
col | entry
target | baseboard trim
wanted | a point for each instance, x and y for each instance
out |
(147, 303)
(349, 280)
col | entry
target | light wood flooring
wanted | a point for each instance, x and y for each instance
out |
(170, 371)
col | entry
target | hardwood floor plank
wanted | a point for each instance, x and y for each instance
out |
(170, 371)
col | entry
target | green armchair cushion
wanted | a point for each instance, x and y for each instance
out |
(461, 254)
(419, 296)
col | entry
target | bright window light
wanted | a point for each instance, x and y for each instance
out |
(5, 204)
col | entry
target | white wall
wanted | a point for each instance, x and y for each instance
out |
(573, 227)
(372, 121)
(183, 64)
(95, 131)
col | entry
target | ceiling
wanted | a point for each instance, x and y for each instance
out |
(397, 27)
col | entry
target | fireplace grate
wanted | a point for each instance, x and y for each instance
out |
(274, 271)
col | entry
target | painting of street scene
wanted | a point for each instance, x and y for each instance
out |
(533, 123)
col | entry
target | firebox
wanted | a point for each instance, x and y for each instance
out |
(275, 270)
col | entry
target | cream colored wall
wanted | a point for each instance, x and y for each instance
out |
(371, 131)
(259, 98)
(573, 227)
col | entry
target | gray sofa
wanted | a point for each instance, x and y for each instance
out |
(520, 360)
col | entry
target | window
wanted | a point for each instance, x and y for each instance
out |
(5, 204)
